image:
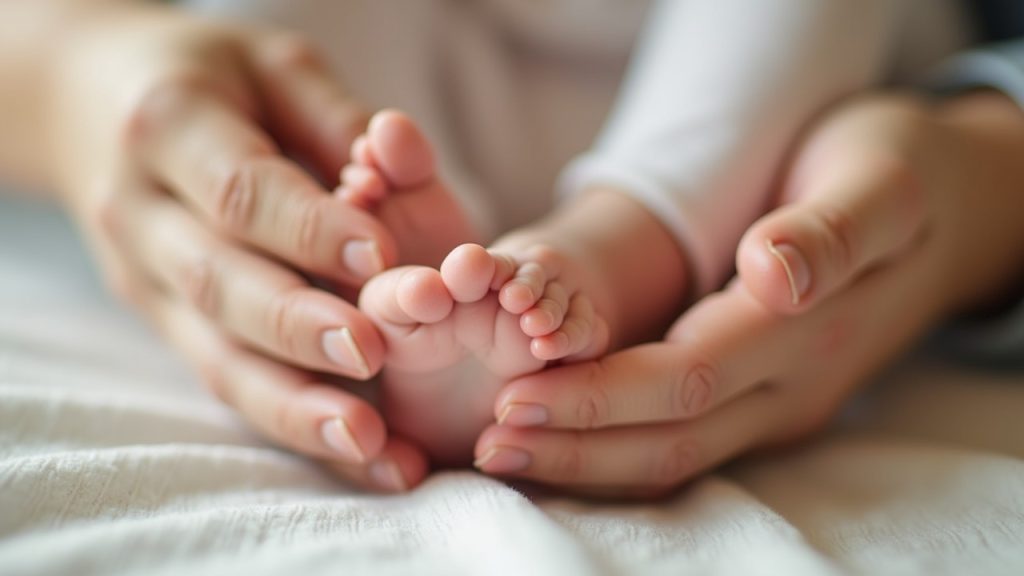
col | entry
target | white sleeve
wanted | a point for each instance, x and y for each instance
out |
(717, 91)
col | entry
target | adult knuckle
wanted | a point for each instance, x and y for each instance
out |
(200, 285)
(691, 388)
(695, 375)
(283, 320)
(237, 195)
(308, 224)
(594, 408)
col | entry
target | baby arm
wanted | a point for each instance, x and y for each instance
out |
(715, 95)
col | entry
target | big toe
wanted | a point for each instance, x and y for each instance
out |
(400, 149)
(406, 296)
(469, 272)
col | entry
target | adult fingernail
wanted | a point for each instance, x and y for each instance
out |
(338, 436)
(362, 258)
(798, 272)
(386, 476)
(523, 415)
(503, 460)
(341, 348)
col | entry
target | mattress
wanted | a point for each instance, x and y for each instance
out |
(114, 460)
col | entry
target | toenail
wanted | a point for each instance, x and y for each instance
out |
(503, 460)
(387, 476)
(798, 272)
(338, 436)
(523, 415)
(362, 258)
(341, 348)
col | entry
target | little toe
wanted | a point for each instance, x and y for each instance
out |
(362, 186)
(406, 296)
(524, 290)
(600, 339)
(576, 333)
(400, 149)
(548, 314)
(467, 272)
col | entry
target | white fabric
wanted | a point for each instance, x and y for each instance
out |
(113, 460)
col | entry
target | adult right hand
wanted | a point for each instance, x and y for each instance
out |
(908, 212)
(167, 135)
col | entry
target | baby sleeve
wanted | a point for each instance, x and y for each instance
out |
(717, 91)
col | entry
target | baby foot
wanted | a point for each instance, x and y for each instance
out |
(392, 174)
(455, 335)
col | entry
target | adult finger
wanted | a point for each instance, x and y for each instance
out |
(659, 455)
(849, 217)
(720, 351)
(307, 108)
(254, 299)
(207, 152)
(399, 466)
(290, 406)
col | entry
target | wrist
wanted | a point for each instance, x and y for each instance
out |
(985, 242)
(30, 37)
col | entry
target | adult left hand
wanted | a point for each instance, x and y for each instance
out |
(902, 212)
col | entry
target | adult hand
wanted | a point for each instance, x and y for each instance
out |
(904, 213)
(169, 136)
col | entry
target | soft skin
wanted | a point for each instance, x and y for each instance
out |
(170, 141)
(928, 206)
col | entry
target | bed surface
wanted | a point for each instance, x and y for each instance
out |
(114, 460)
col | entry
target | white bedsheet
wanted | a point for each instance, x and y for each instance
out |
(113, 460)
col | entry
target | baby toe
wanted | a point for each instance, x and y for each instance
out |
(468, 271)
(524, 290)
(360, 151)
(548, 314)
(400, 149)
(362, 186)
(576, 333)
